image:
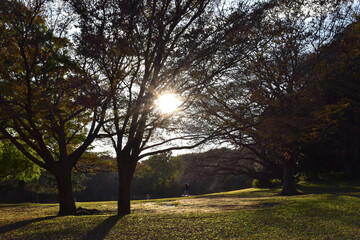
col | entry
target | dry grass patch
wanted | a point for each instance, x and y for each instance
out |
(199, 205)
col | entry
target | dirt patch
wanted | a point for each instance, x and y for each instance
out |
(188, 205)
(86, 211)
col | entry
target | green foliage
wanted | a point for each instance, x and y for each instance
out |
(157, 175)
(257, 183)
(95, 163)
(14, 164)
(276, 182)
(46, 184)
(303, 177)
(323, 176)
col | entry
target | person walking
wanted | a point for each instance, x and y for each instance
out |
(187, 190)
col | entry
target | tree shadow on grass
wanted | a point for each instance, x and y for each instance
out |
(102, 229)
(330, 189)
(20, 224)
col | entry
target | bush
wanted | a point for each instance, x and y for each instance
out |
(303, 177)
(325, 176)
(256, 183)
(260, 183)
(276, 182)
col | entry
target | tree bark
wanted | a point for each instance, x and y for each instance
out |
(289, 186)
(65, 192)
(125, 173)
(124, 195)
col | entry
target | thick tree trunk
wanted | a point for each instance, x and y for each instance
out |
(124, 195)
(289, 186)
(125, 172)
(65, 192)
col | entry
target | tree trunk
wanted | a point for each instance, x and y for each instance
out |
(125, 172)
(289, 187)
(65, 192)
(124, 195)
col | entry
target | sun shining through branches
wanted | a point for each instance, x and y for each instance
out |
(167, 103)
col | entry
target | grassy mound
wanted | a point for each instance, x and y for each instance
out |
(324, 211)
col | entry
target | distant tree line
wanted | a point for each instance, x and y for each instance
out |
(161, 175)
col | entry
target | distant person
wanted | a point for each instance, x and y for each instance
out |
(187, 190)
(147, 196)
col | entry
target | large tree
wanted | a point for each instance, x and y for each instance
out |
(265, 104)
(295, 33)
(333, 143)
(145, 49)
(50, 109)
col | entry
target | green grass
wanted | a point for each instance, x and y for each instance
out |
(326, 211)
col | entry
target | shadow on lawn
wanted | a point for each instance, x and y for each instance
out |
(102, 229)
(20, 224)
(330, 188)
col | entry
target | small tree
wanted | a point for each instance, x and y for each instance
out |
(157, 175)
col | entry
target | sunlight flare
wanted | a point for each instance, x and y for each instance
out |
(168, 103)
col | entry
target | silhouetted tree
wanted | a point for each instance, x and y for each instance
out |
(264, 104)
(144, 49)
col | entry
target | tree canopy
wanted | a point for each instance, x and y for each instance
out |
(142, 50)
(266, 103)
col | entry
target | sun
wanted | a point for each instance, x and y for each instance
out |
(168, 103)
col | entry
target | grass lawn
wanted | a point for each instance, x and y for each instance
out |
(325, 211)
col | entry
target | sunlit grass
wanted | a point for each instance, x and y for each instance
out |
(259, 214)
